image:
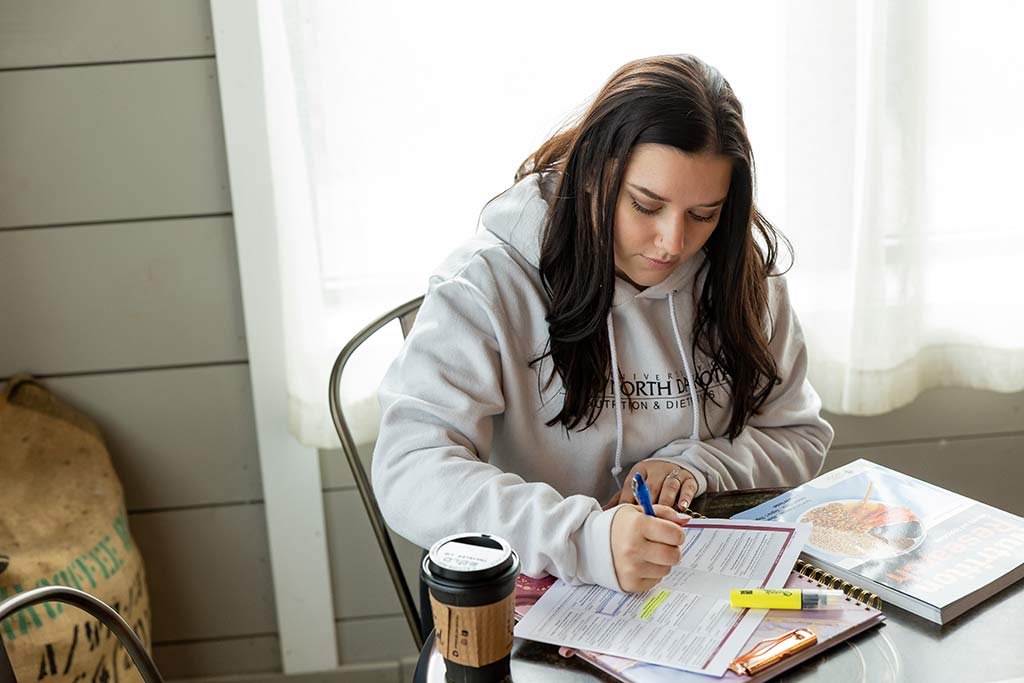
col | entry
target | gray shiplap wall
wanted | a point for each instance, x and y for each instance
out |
(121, 289)
(118, 265)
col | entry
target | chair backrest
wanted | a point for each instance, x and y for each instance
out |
(93, 606)
(406, 315)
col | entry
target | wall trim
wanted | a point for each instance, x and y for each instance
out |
(289, 470)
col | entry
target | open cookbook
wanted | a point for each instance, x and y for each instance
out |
(917, 546)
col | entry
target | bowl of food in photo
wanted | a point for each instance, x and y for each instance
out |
(867, 530)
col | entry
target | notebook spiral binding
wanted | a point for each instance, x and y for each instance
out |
(820, 576)
(855, 593)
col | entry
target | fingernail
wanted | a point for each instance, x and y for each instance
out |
(683, 515)
(684, 503)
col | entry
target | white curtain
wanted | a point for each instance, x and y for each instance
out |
(904, 130)
(885, 134)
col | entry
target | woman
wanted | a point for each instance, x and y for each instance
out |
(616, 314)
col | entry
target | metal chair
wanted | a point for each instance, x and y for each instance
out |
(93, 606)
(405, 314)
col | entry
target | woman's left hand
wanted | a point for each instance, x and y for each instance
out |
(669, 484)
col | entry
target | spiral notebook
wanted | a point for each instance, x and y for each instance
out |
(860, 612)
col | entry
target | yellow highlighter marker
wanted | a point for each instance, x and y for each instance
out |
(786, 598)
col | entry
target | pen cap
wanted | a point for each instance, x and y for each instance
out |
(470, 569)
(823, 599)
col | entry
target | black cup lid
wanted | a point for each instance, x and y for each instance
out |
(470, 557)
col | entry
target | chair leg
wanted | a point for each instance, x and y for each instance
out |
(420, 675)
(6, 670)
(426, 614)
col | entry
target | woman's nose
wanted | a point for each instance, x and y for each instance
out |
(671, 236)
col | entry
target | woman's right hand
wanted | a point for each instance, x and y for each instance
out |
(645, 548)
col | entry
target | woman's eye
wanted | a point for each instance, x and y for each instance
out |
(703, 219)
(645, 211)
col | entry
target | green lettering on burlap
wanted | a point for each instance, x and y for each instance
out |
(23, 624)
(110, 551)
(8, 629)
(86, 571)
(92, 554)
(70, 572)
(121, 527)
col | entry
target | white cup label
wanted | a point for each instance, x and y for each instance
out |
(464, 557)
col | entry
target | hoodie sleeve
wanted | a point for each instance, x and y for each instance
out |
(430, 468)
(784, 444)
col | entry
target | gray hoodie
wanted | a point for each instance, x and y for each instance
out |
(463, 444)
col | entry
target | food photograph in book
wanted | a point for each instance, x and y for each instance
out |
(904, 533)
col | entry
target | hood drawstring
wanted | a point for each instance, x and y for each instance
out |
(617, 468)
(695, 434)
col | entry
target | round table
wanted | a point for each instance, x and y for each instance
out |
(984, 645)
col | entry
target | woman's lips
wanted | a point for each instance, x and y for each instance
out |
(658, 265)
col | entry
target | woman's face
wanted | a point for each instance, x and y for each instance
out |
(667, 207)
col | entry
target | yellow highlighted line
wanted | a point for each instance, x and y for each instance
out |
(648, 609)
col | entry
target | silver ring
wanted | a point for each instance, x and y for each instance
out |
(674, 474)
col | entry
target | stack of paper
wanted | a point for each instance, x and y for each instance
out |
(684, 622)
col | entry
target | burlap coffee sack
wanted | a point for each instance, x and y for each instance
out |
(63, 521)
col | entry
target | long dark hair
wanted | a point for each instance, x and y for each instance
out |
(680, 101)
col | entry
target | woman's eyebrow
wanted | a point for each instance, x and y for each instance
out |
(650, 194)
(712, 204)
(659, 198)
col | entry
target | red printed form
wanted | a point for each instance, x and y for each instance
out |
(684, 622)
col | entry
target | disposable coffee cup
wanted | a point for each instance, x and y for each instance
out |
(472, 581)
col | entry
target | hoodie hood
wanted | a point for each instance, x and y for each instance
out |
(517, 218)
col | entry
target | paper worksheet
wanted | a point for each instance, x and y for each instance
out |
(685, 621)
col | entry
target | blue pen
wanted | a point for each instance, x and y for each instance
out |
(642, 494)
